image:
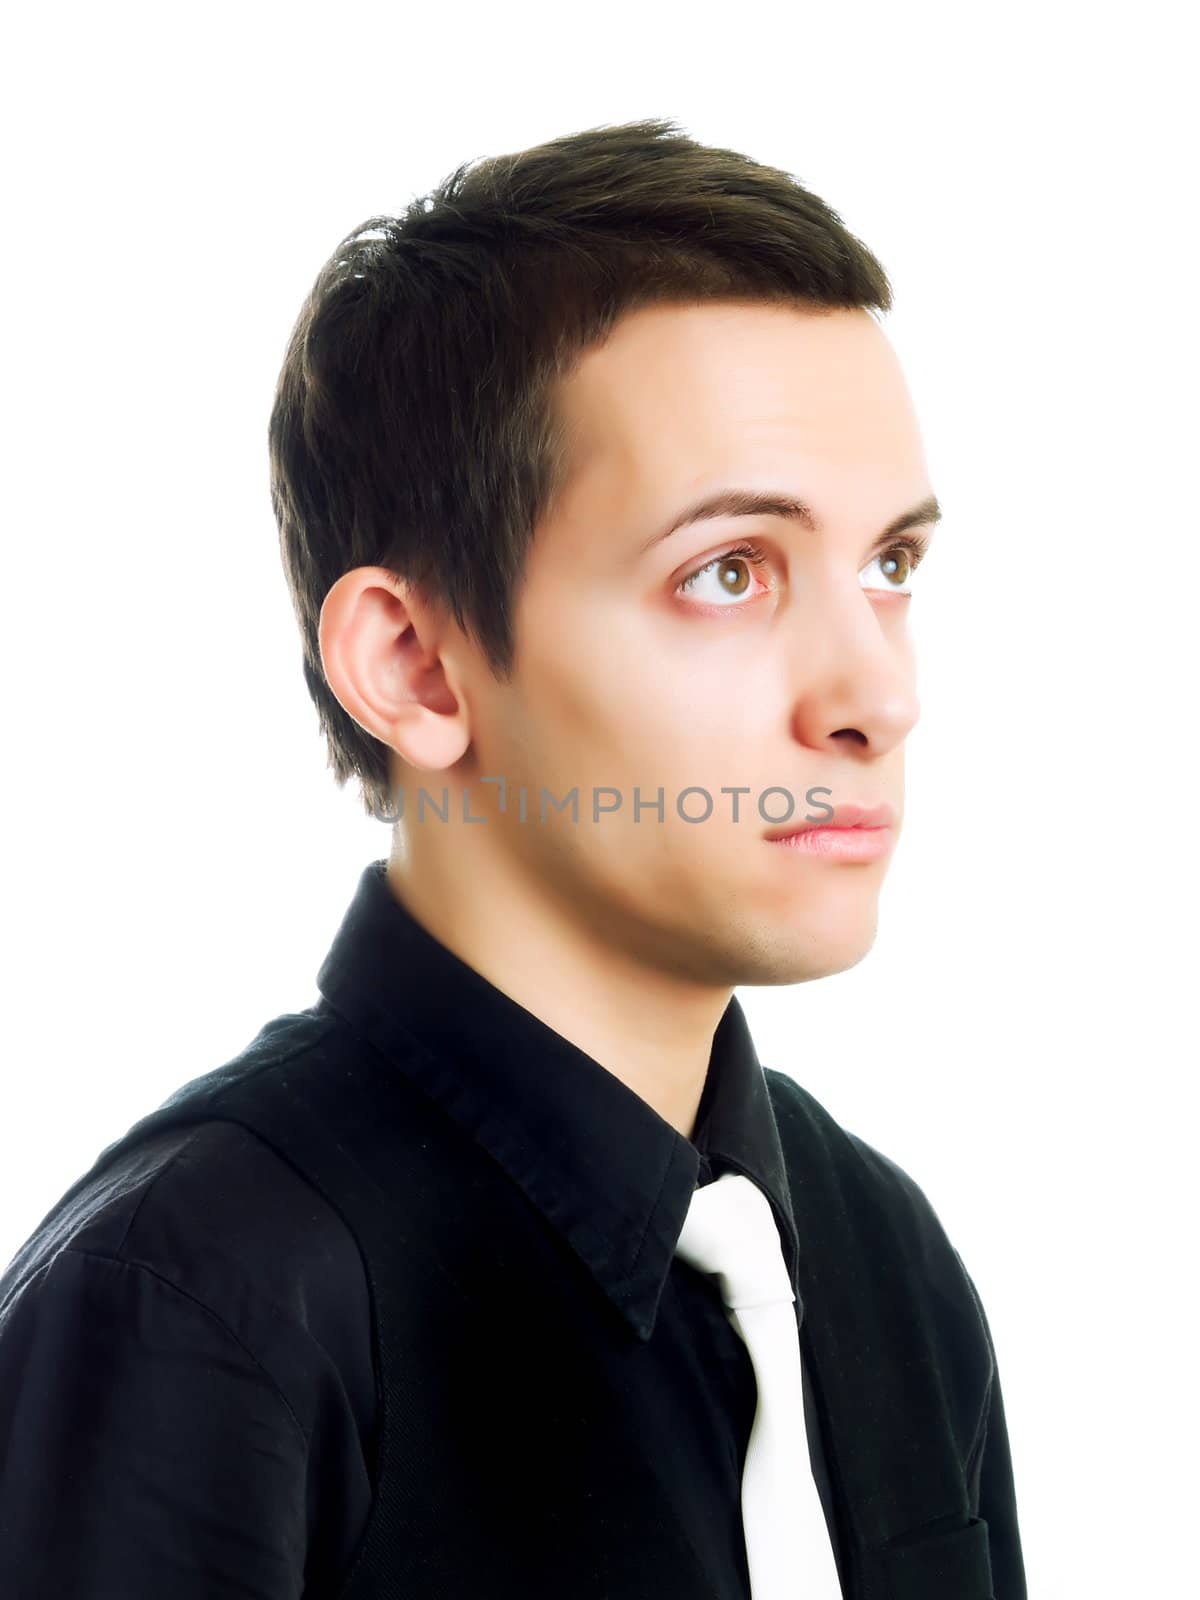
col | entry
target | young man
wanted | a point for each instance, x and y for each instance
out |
(601, 501)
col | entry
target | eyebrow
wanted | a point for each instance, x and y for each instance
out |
(749, 503)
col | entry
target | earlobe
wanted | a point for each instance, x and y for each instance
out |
(379, 653)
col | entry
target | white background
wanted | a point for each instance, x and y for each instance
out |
(177, 857)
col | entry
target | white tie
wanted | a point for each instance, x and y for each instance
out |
(730, 1230)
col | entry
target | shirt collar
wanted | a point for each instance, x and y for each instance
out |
(604, 1168)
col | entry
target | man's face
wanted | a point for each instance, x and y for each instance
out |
(794, 673)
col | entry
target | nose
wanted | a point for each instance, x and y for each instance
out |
(854, 673)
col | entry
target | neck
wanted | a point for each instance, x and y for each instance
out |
(650, 1028)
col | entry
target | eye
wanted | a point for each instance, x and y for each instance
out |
(896, 566)
(730, 575)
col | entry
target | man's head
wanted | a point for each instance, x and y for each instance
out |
(491, 412)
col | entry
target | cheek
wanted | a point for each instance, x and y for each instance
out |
(643, 714)
(592, 683)
(601, 690)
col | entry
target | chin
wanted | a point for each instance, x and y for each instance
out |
(828, 940)
(753, 949)
(802, 965)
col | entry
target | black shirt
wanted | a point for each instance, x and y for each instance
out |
(187, 1394)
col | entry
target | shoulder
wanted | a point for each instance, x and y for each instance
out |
(217, 1218)
(881, 1195)
(803, 1121)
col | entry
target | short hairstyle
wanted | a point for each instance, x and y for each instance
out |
(413, 425)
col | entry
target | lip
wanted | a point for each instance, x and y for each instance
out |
(838, 844)
(847, 818)
(853, 833)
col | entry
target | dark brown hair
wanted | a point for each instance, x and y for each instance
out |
(413, 425)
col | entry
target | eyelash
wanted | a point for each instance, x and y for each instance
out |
(916, 546)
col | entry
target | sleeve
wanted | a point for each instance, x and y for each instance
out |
(997, 1490)
(143, 1450)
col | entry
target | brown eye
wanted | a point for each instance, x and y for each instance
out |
(896, 565)
(731, 573)
(733, 576)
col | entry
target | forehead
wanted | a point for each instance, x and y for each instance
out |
(681, 395)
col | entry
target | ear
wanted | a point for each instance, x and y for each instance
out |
(383, 652)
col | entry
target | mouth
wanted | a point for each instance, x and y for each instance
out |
(853, 833)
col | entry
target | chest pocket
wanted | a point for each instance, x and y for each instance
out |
(953, 1564)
